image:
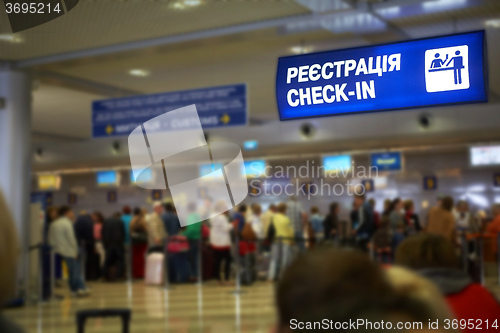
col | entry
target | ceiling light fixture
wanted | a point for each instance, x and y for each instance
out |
(185, 4)
(299, 49)
(10, 38)
(139, 72)
(493, 23)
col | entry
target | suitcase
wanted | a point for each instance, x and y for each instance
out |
(154, 269)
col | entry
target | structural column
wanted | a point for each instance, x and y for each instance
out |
(15, 157)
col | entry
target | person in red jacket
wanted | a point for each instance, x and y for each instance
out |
(433, 256)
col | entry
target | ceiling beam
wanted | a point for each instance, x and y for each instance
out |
(92, 87)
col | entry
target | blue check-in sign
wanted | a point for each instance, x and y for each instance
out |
(418, 73)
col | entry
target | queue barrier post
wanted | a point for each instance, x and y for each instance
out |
(465, 251)
(82, 260)
(166, 284)
(128, 254)
(237, 291)
(52, 272)
(480, 252)
(199, 261)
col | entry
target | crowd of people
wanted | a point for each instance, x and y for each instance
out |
(109, 246)
(421, 282)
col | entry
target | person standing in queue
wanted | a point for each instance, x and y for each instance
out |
(441, 220)
(493, 228)
(220, 240)
(281, 246)
(139, 242)
(113, 239)
(316, 222)
(62, 239)
(298, 218)
(98, 219)
(412, 220)
(193, 235)
(331, 222)
(84, 233)
(170, 220)
(266, 220)
(126, 219)
(362, 221)
(156, 228)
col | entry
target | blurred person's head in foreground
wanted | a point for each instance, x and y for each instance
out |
(327, 287)
(416, 287)
(9, 251)
(434, 257)
(426, 251)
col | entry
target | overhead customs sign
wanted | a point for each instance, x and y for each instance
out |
(217, 107)
(418, 73)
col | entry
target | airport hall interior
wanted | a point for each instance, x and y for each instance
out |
(339, 170)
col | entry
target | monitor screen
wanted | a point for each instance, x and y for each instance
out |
(107, 178)
(49, 182)
(337, 163)
(485, 155)
(255, 168)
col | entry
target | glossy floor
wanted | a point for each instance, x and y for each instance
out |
(184, 308)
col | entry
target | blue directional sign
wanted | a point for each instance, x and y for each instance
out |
(386, 161)
(217, 107)
(425, 72)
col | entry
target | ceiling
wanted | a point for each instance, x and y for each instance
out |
(87, 53)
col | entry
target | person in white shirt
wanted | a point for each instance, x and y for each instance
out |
(62, 239)
(256, 222)
(463, 216)
(220, 240)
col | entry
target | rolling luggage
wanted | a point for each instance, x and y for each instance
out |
(154, 268)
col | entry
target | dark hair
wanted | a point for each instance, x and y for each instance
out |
(63, 210)
(426, 251)
(314, 210)
(393, 204)
(408, 204)
(169, 207)
(325, 282)
(333, 208)
(360, 196)
(282, 207)
(137, 211)
(117, 215)
(99, 216)
(126, 210)
(447, 203)
(242, 208)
